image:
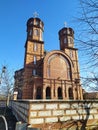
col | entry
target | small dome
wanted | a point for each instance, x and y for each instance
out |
(34, 21)
(66, 31)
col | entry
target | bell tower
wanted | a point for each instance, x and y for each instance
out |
(66, 37)
(34, 47)
(35, 29)
(34, 51)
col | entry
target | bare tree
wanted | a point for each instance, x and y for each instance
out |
(6, 83)
(88, 40)
(91, 82)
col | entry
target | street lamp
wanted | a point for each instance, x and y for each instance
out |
(1, 116)
(3, 71)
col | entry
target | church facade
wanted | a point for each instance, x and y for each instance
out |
(50, 75)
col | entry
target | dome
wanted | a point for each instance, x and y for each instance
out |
(34, 21)
(66, 31)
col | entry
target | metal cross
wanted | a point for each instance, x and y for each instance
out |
(35, 14)
(65, 24)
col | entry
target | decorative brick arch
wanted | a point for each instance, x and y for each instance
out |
(57, 62)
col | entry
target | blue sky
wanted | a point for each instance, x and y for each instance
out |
(13, 17)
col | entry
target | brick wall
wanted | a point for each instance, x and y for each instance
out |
(42, 112)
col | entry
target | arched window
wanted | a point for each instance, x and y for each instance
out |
(41, 36)
(34, 71)
(34, 60)
(30, 32)
(65, 40)
(71, 53)
(70, 40)
(68, 31)
(48, 93)
(62, 68)
(70, 92)
(35, 47)
(60, 93)
(39, 93)
(36, 32)
(37, 22)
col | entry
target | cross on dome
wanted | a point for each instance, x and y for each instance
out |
(65, 24)
(35, 14)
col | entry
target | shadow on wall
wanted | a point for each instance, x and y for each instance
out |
(81, 123)
(75, 124)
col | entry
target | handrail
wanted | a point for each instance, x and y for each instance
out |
(4, 119)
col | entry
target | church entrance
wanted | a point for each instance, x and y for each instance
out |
(60, 93)
(39, 93)
(48, 93)
(70, 92)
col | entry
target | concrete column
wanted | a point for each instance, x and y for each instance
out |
(81, 93)
(44, 92)
(56, 93)
(63, 89)
(55, 90)
(52, 85)
(52, 92)
(34, 92)
(78, 91)
(74, 93)
(67, 95)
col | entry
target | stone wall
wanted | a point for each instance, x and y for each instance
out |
(56, 113)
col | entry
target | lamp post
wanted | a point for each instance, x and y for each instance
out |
(2, 72)
(3, 69)
(4, 81)
(1, 116)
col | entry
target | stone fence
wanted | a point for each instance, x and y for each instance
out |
(56, 113)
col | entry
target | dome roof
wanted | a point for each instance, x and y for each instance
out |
(31, 20)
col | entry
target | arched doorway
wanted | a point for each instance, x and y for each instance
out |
(60, 93)
(70, 92)
(39, 93)
(48, 93)
(19, 96)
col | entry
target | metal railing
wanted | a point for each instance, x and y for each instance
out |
(5, 122)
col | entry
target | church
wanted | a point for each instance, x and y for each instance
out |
(50, 75)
